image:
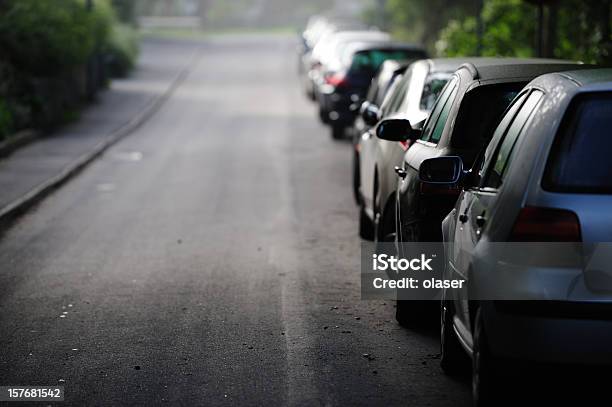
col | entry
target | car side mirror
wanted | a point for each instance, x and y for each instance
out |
(444, 171)
(370, 113)
(396, 130)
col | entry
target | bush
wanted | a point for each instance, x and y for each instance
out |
(121, 51)
(46, 47)
(45, 37)
(509, 31)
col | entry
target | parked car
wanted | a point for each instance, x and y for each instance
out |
(388, 75)
(348, 77)
(544, 177)
(332, 43)
(460, 124)
(412, 99)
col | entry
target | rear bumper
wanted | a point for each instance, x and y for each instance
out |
(549, 332)
(338, 105)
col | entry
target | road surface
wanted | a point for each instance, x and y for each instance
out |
(211, 258)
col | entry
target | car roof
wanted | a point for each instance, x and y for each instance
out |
(390, 65)
(386, 45)
(446, 64)
(588, 77)
(358, 34)
(503, 68)
(584, 79)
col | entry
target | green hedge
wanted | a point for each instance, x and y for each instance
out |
(46, 46)
(45, 37)
(122, 49)
(509, 31)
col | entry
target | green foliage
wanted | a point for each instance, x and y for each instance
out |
(122, 49)
(126, 10)
(581, 28)
(44, 37)
(509, 31)
(50, 50)
(581, 31)
(421, 20)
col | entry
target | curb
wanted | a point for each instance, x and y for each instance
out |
(16, 141)
(18, 207)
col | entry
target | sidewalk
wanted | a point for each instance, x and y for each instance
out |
(30, 172)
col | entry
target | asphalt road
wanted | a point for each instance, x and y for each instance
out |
(211, 258)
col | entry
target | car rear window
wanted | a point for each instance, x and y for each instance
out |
(371, 60)
(580, 158)
(480, 113)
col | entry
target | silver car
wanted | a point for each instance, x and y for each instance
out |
(546, 176)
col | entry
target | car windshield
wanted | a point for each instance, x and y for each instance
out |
(480, 113)
(371, 60)
(433, 86)
(580, 159)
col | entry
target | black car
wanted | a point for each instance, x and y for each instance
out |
(348, 81)
(461, 122)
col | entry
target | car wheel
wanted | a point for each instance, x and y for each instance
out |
(366, 227)
(310, 93)
(337, 132)
(323, 115)
(409, 313)
(484, 374)
(356, 178)
(452, 356)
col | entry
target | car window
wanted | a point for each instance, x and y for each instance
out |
(437, 109)
(383, 89)
(441, 123)
(371, 60)
(434, 83)
(399, 93)
(480, 111)
(373, 90)
(485, 158)
(388, 95)
(380, 84)
(580, 157)
(504, 154)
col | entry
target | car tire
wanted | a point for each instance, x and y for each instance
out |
(337, 132)
(453, 358)
(310, 93)
(484, 372)
(366, 227)
(409, 313)
(323, 116)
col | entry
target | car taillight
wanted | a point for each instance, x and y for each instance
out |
(336, 80)
(546, 225)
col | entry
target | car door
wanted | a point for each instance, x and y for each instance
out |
(424, 148)
(370, 141)
(475, 204)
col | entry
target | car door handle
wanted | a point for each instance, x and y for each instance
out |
(401, 172)
(463, 218)
(480, 221)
